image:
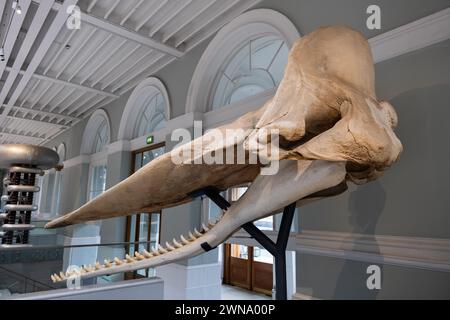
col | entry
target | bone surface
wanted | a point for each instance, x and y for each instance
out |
(332, 129)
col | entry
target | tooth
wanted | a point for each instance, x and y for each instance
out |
(98, 266)
(129, 259)
(169, 247)
(118, 261)
(205, 228)
(197, 233)
(155, 252)
(176, 243)
(86, 268)
(183, 239)
(191, 236)
(53, 278)
(139, 256)
(62, 275)
(147, 254)
(108, 263)
(57, 277)
(161, 249)
(212, 223)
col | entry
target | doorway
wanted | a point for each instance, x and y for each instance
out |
(143, 226)
(248, 267)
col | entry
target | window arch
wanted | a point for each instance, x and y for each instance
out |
(146, 111)
(96, 138)
(257, 66)
(247, 56)
(50, 184)
(152, 116)
(101, 137)
(97, 134)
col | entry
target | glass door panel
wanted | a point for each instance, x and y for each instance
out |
(239, 251)
(144, 226)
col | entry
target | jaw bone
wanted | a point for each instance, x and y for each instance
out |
(295, 180)
(330, 125)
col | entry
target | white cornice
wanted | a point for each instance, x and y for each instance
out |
(81, 159)
(410, 252)
(118, 146)
(413, 36)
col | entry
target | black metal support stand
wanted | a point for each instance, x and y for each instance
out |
(278, 249)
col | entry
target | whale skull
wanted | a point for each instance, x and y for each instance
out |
(332, 129)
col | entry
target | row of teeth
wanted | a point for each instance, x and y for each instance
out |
(138, 256)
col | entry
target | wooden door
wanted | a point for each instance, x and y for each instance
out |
(242, 270)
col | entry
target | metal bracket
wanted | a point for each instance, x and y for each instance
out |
(278, 249)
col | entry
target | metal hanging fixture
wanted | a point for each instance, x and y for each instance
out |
(23, 163)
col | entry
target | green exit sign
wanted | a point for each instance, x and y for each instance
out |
(150, 139)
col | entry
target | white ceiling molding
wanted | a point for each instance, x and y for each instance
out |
(132, 112)
(250, 25)
(413, 36)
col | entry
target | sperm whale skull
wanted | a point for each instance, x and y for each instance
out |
(331, 129)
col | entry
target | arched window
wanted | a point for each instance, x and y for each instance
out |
(96, 138)
(246, 58)
(50, 184)
(257, 66)
(96, 135)
(146, 111)
(101, 137)
(152, 116)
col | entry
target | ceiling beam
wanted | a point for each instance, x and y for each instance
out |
(126, 33)
(111, 9)
(172, 15)
(104, 60)
(90, 56)
(75, 53)
(62, 47)
(137, 72)
(41, 114)
(69, 84)
(130, 12)
(147, 18)
(121, 74)
(20, 136)
(91, 5)
(171, 33)
(119, 63)
(13, 32)
(201, 25)
(40, 53)
(36, 24)
(38, 122)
